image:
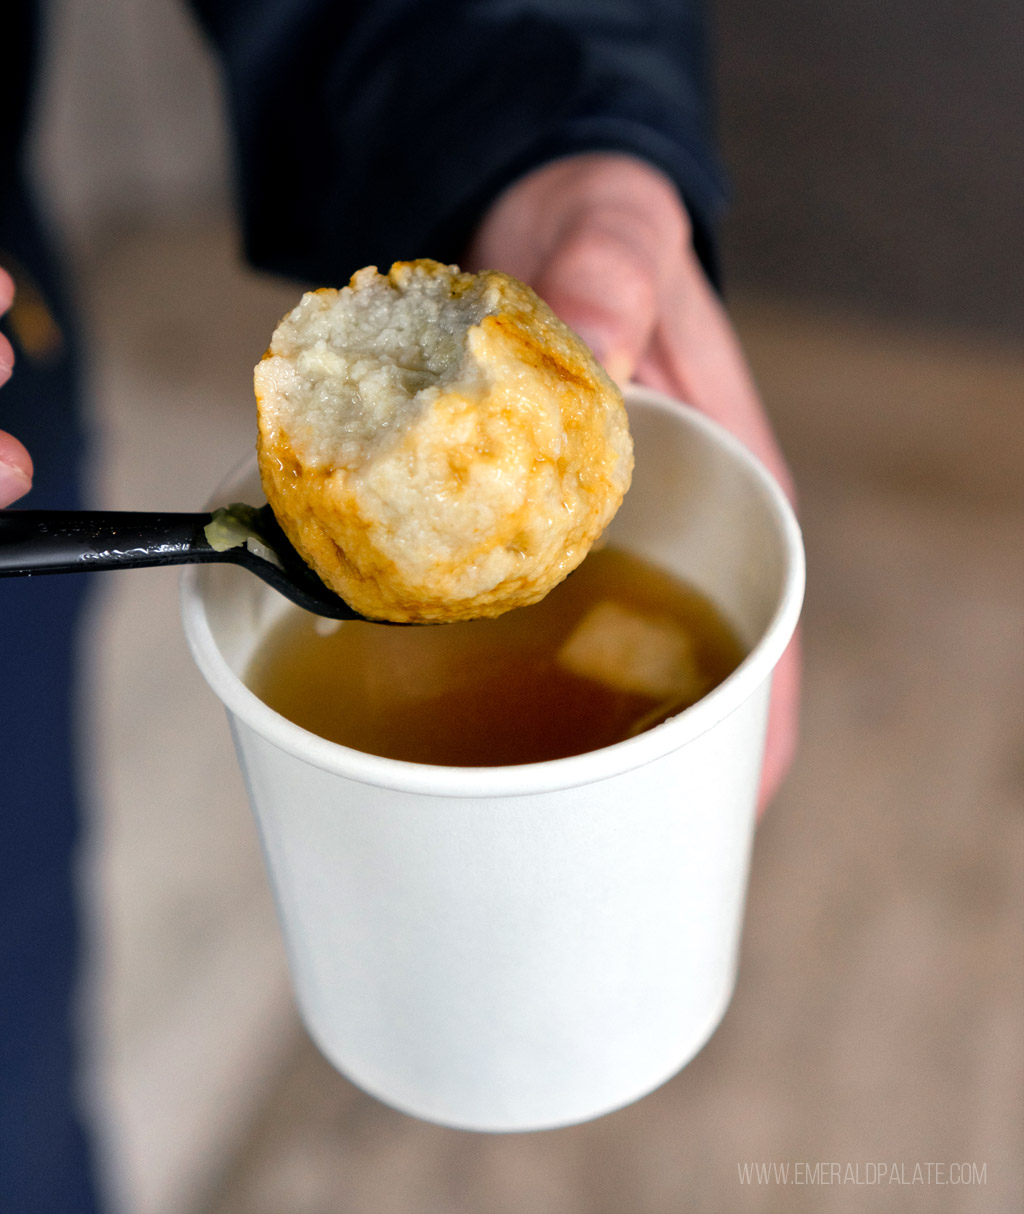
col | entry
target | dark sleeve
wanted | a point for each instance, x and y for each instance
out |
(380, 130)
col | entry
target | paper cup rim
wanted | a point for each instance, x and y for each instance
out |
(553, 774)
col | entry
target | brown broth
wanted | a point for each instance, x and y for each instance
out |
(487, 692)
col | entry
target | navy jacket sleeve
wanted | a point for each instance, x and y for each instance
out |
(374, 130)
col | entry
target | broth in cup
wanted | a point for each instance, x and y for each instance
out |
(617, 648)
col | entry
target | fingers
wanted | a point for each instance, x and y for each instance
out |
(6, 359)
(593, 235)
(605, 289)
(15, 470)
(6, 353)
(15, 461)
(696, 356)
(605, 241)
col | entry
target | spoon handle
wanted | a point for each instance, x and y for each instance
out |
(77, 541)
(69, 541)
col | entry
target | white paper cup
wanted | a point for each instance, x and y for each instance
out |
(519, 948)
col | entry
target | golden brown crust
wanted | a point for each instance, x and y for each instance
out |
(488, 498)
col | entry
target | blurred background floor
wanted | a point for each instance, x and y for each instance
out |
(879, 1007)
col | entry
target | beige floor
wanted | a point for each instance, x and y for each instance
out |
(879, 1011)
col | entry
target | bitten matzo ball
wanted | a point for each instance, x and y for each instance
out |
(438, 445)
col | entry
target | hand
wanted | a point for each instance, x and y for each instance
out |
(15, 461)
(605, 240)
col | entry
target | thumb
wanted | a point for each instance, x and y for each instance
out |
(604, 290)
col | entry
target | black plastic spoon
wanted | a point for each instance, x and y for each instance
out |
(75, 541)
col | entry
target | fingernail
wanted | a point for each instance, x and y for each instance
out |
(618, 365)
(594, 340)
(13, 484)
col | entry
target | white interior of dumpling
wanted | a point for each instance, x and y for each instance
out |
(354, 368)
